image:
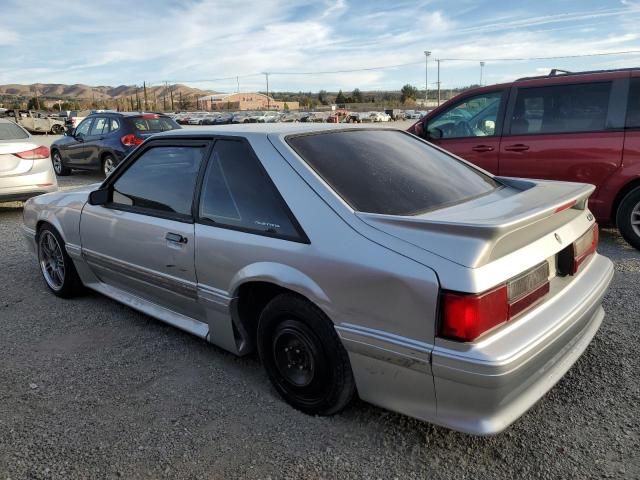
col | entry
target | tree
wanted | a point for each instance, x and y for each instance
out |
(408, 92)
(286, 106)
(322, 97)
(340, 98)
(357, 95)
(33, 104)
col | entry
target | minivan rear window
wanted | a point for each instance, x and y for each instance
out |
(153, 124)
(390, 172)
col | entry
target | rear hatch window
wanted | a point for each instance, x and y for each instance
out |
(11, 131)
(390, 172)
(152, 124)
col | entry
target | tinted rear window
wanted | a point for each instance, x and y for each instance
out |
(389, 172)
(11, 131)
(153, 124)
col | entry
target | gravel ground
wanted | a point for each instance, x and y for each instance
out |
(92, 389)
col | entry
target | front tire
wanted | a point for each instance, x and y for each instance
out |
(58, 166)
(628, 217)
(58, 270)
(303, 356)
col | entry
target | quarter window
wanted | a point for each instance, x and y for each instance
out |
(473, 117)
(114, 125)
(561, 109)
(633, 109)
(161, 180)
(237, 193)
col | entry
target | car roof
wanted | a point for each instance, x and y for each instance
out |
(257, 129)
(126, 114)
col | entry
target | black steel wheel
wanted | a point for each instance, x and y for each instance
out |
(303, 356)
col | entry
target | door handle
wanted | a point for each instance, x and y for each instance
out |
(482, 148)
(175, 237)
(518, 147)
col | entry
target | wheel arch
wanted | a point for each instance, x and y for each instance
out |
(624, 191)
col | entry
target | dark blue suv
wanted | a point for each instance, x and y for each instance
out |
(103, 139)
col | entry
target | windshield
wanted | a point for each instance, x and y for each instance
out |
(390, 172)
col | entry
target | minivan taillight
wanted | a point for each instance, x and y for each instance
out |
(584, 247)
(467, 316)
(35, 154)
(131, 140)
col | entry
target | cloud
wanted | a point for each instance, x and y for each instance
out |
(8, 37)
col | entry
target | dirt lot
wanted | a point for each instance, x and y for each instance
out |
(93, 389)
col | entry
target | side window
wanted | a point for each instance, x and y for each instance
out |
(84, 126)
(237, 193)
(115, 125)
(162, 179)
(633, 108)
(99, 126)
(472, 117)
(561, 109)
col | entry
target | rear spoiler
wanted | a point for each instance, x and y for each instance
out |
(486, 228)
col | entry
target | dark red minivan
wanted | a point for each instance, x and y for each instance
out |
(582, 127)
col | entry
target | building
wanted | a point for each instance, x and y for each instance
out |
(243, 101)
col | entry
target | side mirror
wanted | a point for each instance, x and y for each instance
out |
(434, 133)
(99, 197)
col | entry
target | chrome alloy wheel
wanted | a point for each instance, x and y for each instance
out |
(57, 163)
(635, 219)
(51, 260)
(108, 166)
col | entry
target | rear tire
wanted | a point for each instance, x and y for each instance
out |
(57, 268)
(303, 356)
(58, 166)
(628, 217)
(108, 164)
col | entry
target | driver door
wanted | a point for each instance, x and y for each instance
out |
(471, 128)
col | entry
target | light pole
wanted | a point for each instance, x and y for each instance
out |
(481, 68)
(426, 77)
(438, 61)
(266, 74)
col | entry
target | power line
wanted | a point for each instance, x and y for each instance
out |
(539, 58)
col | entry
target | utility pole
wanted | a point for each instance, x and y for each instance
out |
(481, 68)
(438, 61)
(266, 74)
(237, 84)
(146, 104)
(171, 95)
(426, 77)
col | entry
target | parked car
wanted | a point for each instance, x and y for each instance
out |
(352, 260)
(224, 119)
(25, 166)
(582, 127)
(74, 117)
(102, 140)
(209, 119)
(37, 122)
(395, 114)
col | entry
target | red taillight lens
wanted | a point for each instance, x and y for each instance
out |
(35, 154)
(584, 247)
(465, 317)
(131, 140)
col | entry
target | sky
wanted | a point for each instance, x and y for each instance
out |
(207, 43)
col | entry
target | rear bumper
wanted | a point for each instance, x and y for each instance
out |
(23, 187)
(482, 388)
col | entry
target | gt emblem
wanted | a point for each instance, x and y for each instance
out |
(557, 237)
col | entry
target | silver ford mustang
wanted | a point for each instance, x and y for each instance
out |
(354, 260)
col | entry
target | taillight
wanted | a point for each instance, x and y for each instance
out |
(584, 247)
(131, 140)
(35, 154)
(466, 316)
